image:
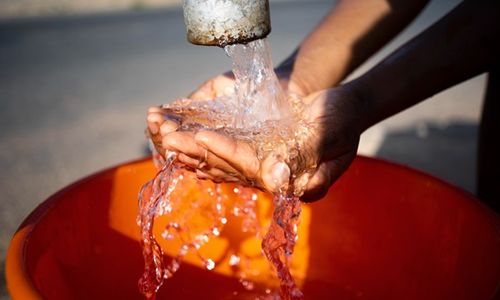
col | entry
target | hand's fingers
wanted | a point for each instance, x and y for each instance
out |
(153, 109)
(157, 113)
(212, 161)
(326, 174)
(213, 88)
(222, 175)
(319, 183)
(209, 175)
(176, 103)
(208, 172)
(154, 120)
(158, 117)
(183, 142)
(204, 92)
(240, 155)
(223, 85)
(188, 161)
(272, 174)
(168, 126)
(202, 175)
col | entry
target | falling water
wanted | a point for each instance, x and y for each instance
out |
(258, 112)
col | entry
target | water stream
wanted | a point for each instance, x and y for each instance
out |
(258, 112)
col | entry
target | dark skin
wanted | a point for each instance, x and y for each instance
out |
(461, 45)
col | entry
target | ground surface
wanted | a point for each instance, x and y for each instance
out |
(10, 9)
(74, 91)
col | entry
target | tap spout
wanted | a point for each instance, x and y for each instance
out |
(226, 22)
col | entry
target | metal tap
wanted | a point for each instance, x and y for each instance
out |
(226, 22)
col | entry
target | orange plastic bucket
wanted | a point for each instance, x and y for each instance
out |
(383, 232)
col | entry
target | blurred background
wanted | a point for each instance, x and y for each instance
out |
(76, 78)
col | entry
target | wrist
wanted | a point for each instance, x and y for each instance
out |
(300, 75)
(291, 78)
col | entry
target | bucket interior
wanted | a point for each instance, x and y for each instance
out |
(383, 232)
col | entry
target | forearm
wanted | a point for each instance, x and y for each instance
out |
(463, 44)
(346, 37)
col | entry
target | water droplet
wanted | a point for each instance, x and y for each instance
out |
(183, 250)
(247, 284)
(209, 264)
(236, 211)
(215, 231)
(234, 260)
(167, 209)
(204, 238)
(175, 265)
(167, 235)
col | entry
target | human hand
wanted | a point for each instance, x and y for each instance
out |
(220, 85)
(223, 84)
(160, 122)
(330, 146)
(337, 115)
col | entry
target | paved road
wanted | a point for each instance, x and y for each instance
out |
(74, 91)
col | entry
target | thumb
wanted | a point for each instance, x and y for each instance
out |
(275, 173)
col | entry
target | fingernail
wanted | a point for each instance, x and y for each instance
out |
(153, 128)
(154, 109)
(167, 127)
(278, 177)
(280, 173)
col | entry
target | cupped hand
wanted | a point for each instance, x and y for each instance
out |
(223, 85)
(331, 146)
(220, 85)
(337, 115)
(160, 122)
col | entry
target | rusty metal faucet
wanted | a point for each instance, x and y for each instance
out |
(226, 22)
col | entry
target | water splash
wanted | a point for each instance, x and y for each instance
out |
(152, 197)
(259, 95)
(259, 112)
(280, 240)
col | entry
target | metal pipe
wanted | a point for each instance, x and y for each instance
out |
(225, 22)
